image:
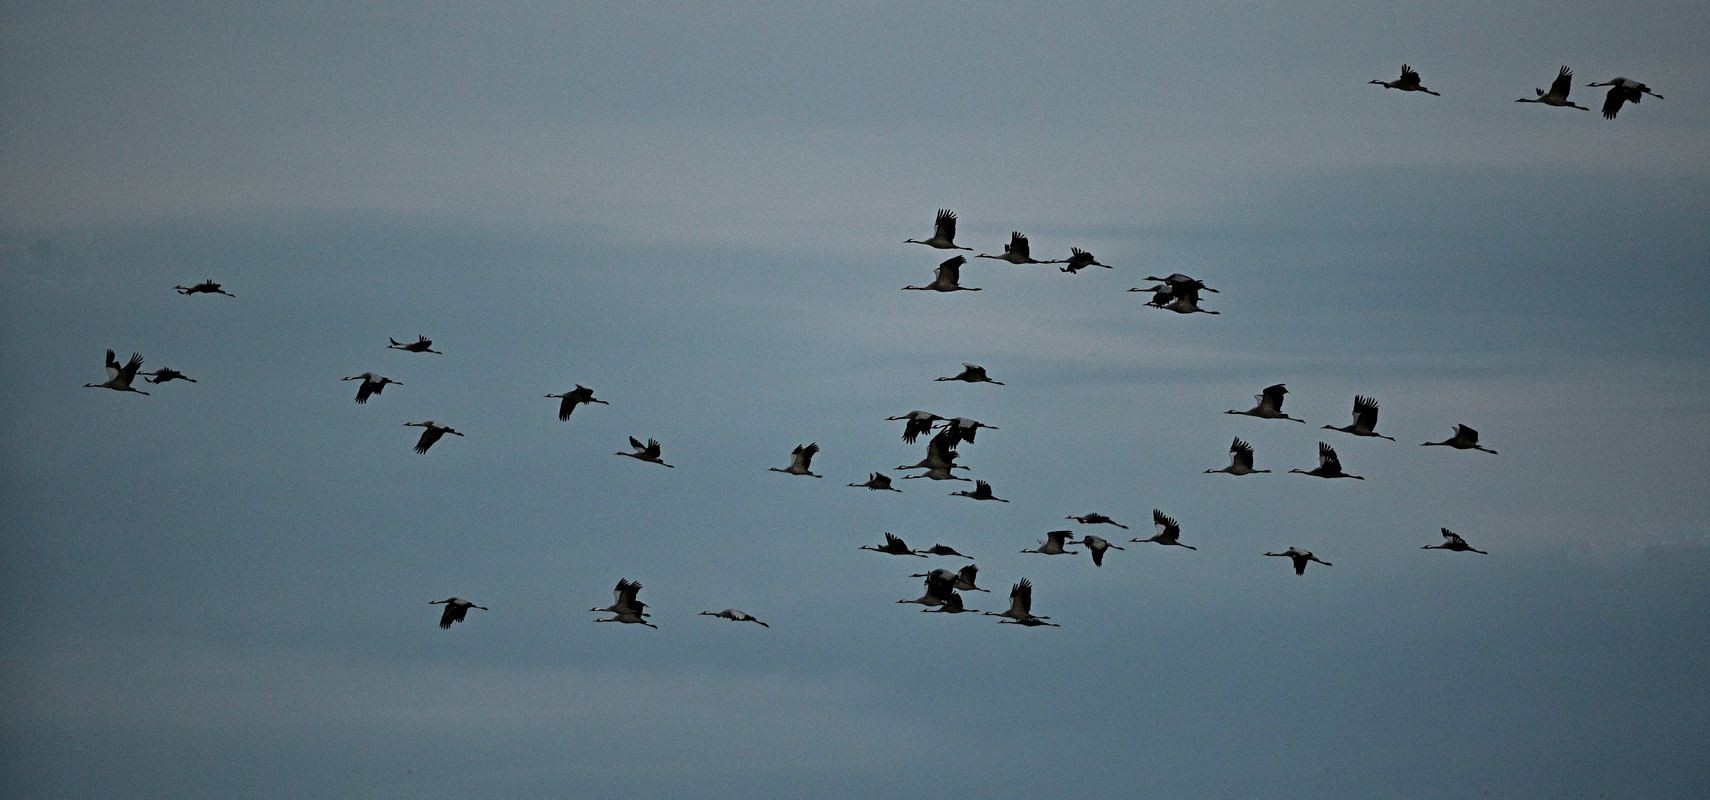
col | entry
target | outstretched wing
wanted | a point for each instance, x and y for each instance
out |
(1241, 453)
(1453, 539)
(893, 542)
(944, 226)
(1466, 434)
(1327, 459)
(951, 270)
(1018, 245)
(1365, 412)
(1166, 525)
(129, 372)
(652, 450)
(1272, 398)
(364, 391)
(1408, 76)
(1612, 102)
(804, 454)
(1021, 598)
(636, 443)
(1563, 83)
(430, 435)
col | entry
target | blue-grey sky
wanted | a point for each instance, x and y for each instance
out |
(221, 590)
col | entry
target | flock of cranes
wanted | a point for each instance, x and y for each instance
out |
(943, 587)
(1621, 90)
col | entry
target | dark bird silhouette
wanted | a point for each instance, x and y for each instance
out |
(962, 429)
(645, 452)
(1623, 90)
(624, 599)
(1329, 466)
(1177, 282)
(951, 605)
(893, 546)
(965, 579)
(1453, 541)
(1168, 531)
(919, 422)
(1299, 557)
(1096, 545)
(431, 432)
(581, 395)
(119, 378)
(878, 482)
(800, 459)
(1052, 544)
(1408, 82)
(971, 373)
(371, 385)
(1016, 252)
(1078, 260)
(1020, 611)
(205, 287)
(735, 616)
(1465, 438)
(941, 550)
(1183, 299)
(1268, 404)
(1558, 94)
(1240, 459)
(1095, 518)
(1365, 419)
(946, 278)
(943, 232)
(455, 609)
(941, 457)
(625, 608)
(981, 491)
(422, 344)
(165, 374)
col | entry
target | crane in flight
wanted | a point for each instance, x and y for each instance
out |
(455, 609)
(1453, 541)
(1558, 94)
(947, 277)
(1168, 531)
(1268, 404)
(800, 458)
(1408, 82)
(581, 395)
(1622, 90)
(431, 432)
(207, 286)
(645, 452)
(1020, 611)
(735, 616)
(1299, 557)
(119, 377)
(1465, 438)
(1329, 466)
(1016, 252)
(943, 232)
(371, 385)
(1240, 459)
(1365, 419)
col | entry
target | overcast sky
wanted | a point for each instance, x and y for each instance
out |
(220, 590)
